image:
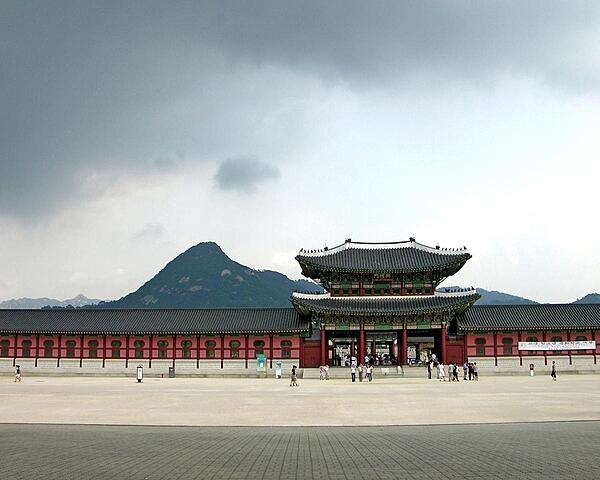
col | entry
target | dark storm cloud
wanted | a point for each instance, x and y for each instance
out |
(244, 174)
(106, 87)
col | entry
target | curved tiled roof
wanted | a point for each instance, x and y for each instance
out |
(395, 257)
(383, 306)
(141, 321)
(530, 317)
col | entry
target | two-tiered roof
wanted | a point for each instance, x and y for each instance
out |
(370, 280)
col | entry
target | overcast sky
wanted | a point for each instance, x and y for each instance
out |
(131, 131)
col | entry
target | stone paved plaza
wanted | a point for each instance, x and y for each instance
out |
(100, 428)
(271, 402)
(560, 450)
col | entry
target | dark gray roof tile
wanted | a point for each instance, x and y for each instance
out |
(383, 306)
(530, 317)
(181, 321)
(382, 258)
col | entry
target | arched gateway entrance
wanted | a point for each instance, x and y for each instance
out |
(381, 347)
(381, 301)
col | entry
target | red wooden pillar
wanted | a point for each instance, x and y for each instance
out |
(81, 351)
(222, 350)
(37, 348)
(16, 348)
(301, 351)
(404, 355)
(59, 349)
(362, 350)
(126, 351)
(518, 349)
(197, 351)
(174, 349)
(594, 338)
(104, 352)
(443, 359)
(496, 349)
(246, 348)
(323, 360)
(545, 351)
(570, 351)
(271, 351)
(150, 352)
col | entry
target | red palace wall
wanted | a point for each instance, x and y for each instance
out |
(500, 344)
(455, 351)
(311, 353)
(150, 347)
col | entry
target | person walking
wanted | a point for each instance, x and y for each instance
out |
(18, 373)
(326, 368)
(429, 363)
(465, 370)
(294, 378)
(475, 371)
(455, 372)
(553, 372)
(360, 372)
(370, 372)
(353, 372)
(441, 372)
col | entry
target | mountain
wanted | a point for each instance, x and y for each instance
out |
(498, 298)
(35, 303)
(589, 298)
(204, 277)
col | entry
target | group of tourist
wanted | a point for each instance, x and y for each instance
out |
(377, 359)
(324, 372)
(364, 372)
(470, 370)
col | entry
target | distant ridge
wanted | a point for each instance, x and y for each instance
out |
(492, 297)
(589, 298)
(35, 303)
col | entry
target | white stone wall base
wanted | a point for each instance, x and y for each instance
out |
(580, 364)
(159, 367)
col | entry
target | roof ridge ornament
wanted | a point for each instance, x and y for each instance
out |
(375, 246)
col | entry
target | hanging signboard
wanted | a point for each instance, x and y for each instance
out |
(412, 352)
(573, 345)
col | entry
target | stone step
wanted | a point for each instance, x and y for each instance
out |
(391, 371)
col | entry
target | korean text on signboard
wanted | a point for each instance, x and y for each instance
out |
(573, 345)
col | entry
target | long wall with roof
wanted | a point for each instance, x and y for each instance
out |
(193, 342)
(517, 338)
(113, 354)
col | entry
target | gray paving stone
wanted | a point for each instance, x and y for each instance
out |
(492, 451)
